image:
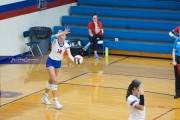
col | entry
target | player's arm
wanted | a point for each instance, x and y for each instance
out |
(66, 31)
(53, 37)
(172, 35)
(173, 57)
(175, 37)
(136, 105)
(69, 54)
(140, 106)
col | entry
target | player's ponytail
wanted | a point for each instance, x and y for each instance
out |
(134, 84)
(129, 90)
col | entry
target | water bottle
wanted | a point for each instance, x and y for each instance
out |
(106, 51)
(116, 38)
(106, 60)
(79, 43)
(73, 45)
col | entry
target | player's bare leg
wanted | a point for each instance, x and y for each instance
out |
(45, 96)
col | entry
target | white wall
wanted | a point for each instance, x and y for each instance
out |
(11, 38)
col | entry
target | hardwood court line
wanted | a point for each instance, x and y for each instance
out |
(73, 78)
(41, 90)
(117, 88)
(165, 113)
(133, 75)
(118, 60)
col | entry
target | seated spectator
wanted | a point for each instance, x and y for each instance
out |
(95, 33)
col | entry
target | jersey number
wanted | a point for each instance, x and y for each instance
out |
(59, 51)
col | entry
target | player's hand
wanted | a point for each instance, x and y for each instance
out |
(174, 63)
(67, 30)
(141, 91)
(76, 61)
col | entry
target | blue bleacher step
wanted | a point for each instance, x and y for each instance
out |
(122, 23)
(123, 12)
(120, 40)
(134, 3)
(122, 34)
(138, 46)
(131, 8)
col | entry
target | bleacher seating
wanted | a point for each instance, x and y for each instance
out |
(122, 23)
(122, 45)
(140, 25)
(168, 4)
(126, 12)
(122, 34)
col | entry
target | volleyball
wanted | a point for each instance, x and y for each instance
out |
(78, 59)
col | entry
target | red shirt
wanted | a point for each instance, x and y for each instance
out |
(91, 26)
(176, 30)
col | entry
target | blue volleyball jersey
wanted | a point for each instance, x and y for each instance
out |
(176, 46)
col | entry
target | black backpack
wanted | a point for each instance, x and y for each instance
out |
(76, 47)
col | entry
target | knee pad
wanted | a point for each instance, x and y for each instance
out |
(171, 34)
(54, 87)
(48, 86)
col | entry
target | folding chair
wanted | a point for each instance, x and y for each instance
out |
(100, 42)
(30, 44)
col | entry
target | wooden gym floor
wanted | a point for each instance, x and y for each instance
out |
(94, 90)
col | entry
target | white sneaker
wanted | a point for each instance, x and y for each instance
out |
(45, 100)
(57, 105)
